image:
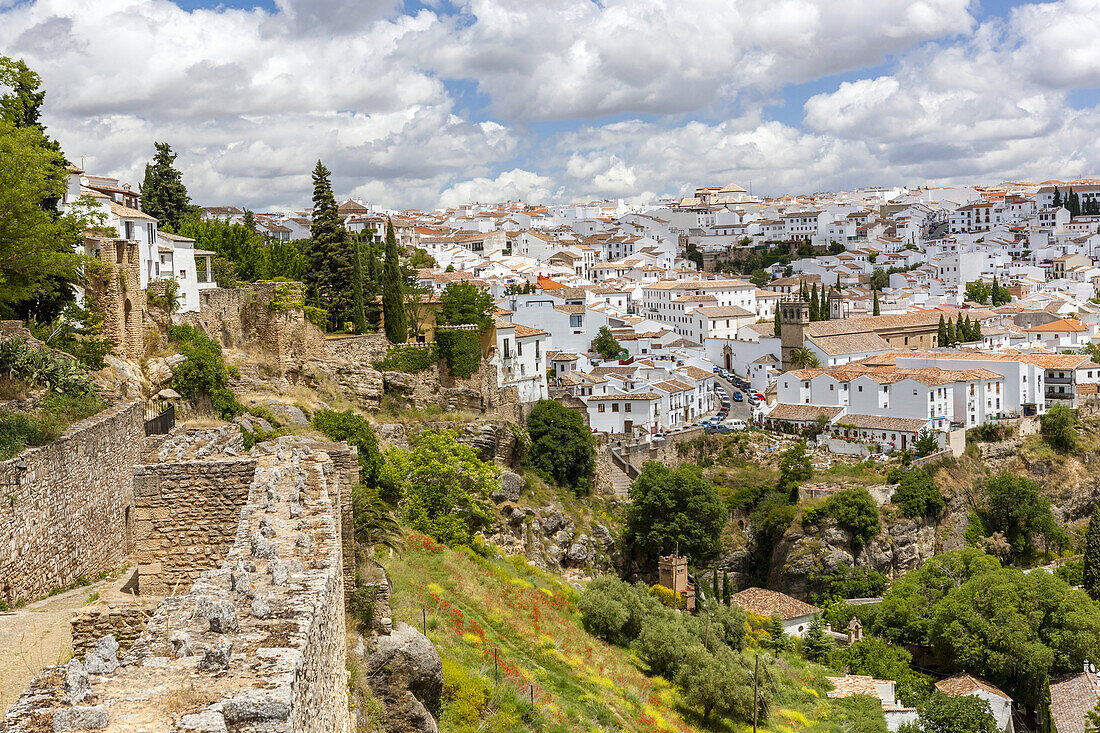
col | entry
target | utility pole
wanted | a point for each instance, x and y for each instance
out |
(755, 690)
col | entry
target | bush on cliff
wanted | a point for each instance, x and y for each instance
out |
(357, 431)
(561, 446)
(204, 372)
(674, 508)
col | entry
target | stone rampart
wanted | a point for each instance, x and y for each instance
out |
(65, 506)
(256, 644)
(185, 519)
(124, 621)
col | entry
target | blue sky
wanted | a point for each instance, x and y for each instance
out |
(432, 103)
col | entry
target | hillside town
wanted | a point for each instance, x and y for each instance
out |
(802, 308)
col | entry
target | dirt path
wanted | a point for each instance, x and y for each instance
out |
(36, 636)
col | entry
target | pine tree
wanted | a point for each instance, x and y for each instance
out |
(976, 331)
(814, 305)
(727, 592)
(163, 195)
(951, 339)
(330, 270)
(876, 310)
(1057, 200)
(815, 643)
(941, 332)
(777, 329)
(393, 291)
(249, 221)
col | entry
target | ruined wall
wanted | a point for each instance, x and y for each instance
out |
(115, 285)
(123, 621)
(257, 644)
(185, 519)
(68, 516)
(264, 316)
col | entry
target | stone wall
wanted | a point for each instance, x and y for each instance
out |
(123, 621)
(264, 316)
(185, 519)
(69, 516)
(257, 644)
(118, 294)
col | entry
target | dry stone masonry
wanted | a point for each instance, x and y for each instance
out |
(65, 507)
(256, 644)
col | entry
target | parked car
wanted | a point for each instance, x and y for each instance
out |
(736, 423)
(720, 428)
(738, 397)
(716, 370)
(754, 400)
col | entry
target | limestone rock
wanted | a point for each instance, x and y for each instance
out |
(80, 717)
(208, 721)
(261, 606)
(398, 381)
(261, 548)
(180, 644)
(77, 685)
(406, 674)
(256, 705)
(577, 554)
(216, 657)
(554, 521)
(511, 486)
(222, 616)
(602, 535)
(290, 413)
(104, 658)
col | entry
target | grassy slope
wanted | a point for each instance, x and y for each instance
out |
(581, 684)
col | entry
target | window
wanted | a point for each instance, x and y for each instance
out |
(599, 407)
(861, 388)
(576, 321)
(614, 406)
(626, 407)
(129, 230)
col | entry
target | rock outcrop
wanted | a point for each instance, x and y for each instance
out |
(406, 674)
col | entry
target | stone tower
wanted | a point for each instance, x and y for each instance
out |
(836, 306)
(794, 317)
(673, 572)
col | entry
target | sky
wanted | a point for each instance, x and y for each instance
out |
(442, 102)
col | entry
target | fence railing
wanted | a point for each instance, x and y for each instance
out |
(160, 418)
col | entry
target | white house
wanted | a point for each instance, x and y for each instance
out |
(1000, 703)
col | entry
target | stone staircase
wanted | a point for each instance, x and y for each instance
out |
(620, 482)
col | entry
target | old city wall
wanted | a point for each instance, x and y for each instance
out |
(264, 316)
(65, 507)
(185, 519)
(256, 644)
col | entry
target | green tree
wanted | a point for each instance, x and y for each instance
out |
(823, 310)
(1090, 577)
(942, 713)
(374, 519)
(759, 277)
(204, 372)
(674, 507)
(663, 643)
(249, 221)
(876, 309)
(717, 681)
(1016, 630)
(440, 479)
(794, 470)
(815, 304)
(941, 333)
(1092, 719)
(1017, 509)
(918, 496)
(854, 511)
(163, 195)
(778, 639)
(1057, 199)
(37, 259)
(978, 292)
(561, 445)
(605, 344)
(904, 617)
(463, 303)
(816, 644)
(879, 279)
(874, 657)
(777, 328)
(862, 714)
(393, 309)
(803, 358)
(616, 611)
(1057, 427)
(951, 337)
(330, 271)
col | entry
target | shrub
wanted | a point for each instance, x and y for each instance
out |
(917, 495)
(663, 643)
(40, 366)
(409, 359)
(460, 349)
(356, 430)
(361, 603)
(204, 371)
(853, 509)
(1057, 428)
(852, 582)
(19, 430)
(464, 698)
(674, 506)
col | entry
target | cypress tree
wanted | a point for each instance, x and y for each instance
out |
(1091, 572)
(876, 309)
(393, 291)
(815, 315)
(717, 592)
(777, 329)
(976, 331)
(941, 332)
(951, 340)
(358, 287)
(823, 311)
(1057, 201)
(329, 276)
(727, 593)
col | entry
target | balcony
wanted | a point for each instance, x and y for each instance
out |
(1060, 395)
(1059, 380)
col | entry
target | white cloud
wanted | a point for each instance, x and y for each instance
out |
(251, 99)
